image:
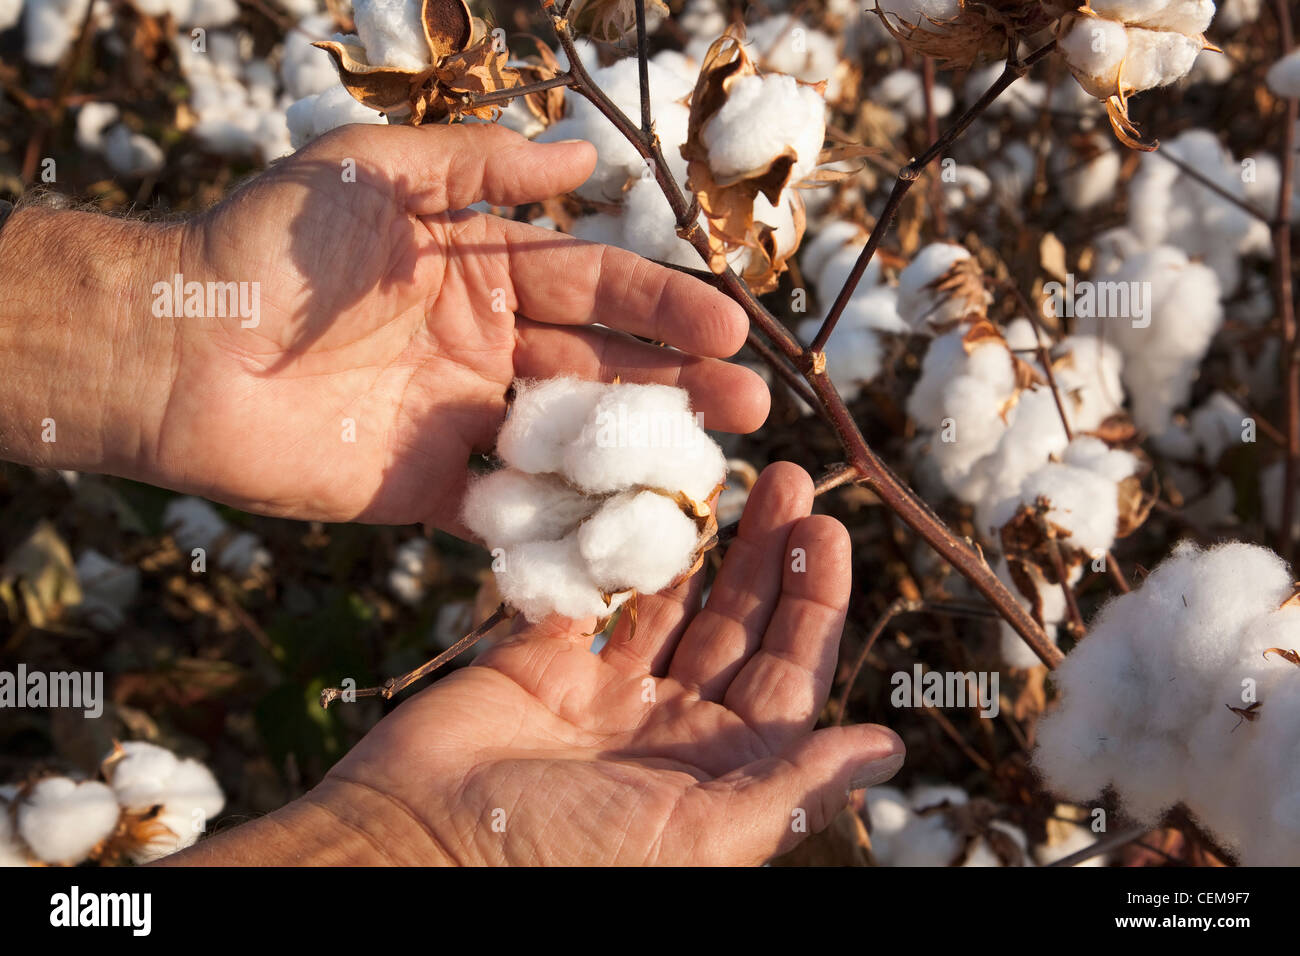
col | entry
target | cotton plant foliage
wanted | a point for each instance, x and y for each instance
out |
(148, 804)
(1187, 690)
(604, 493)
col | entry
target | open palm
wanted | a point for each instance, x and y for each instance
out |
(392, 321)
(687, 742)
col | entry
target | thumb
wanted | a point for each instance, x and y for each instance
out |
(770, 806)
(434, 169)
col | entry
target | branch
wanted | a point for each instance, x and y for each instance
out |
(395, 685)
(1013, 71)
(875, 474)
(511, 92)
(643, 68)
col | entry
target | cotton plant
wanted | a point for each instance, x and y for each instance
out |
(941, 826)
(149, 804)
(1116, 48)
(604, 493)
(1187, 690)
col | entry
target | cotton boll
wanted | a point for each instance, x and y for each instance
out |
(855, 351)
(195, 524)
(412, 567)
(1022, 100)
(761, 118)
(392, 33)
(92, 120)
(1095, 49)
(1217, 425)
(107, 588)
(541, 578)
(306, 69)
(61, 820)
(509, 507)
(904, 90)
(145, 776)
(50, 27)
(837, 268)
(890, 815)
(1087, 173)
(1012, 173)
(546, 417)
(644, 435)
(638, 540)
(920, 302)
(10, 11)
(131, 154)
(927, 796)
(1088, 374)
(1157, 58)
(819, 246)
(316, 115)
(920, 13)
(1072, 840)
(650, 227)
(968, 187)
(783, 44)
(1284, 76)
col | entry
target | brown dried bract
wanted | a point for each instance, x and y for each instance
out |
(613, 21)
(980, 29)
(464, 58)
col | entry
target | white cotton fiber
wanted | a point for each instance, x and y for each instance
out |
(61, 820)
(783, 44)
(318, 113)
(545, 417)
(149, 776)
(855, 351)
(1284, 76)
(644, 435)
(920, 302)
(510, 507)
(92, 120)
(1146, 697)
(107, 587)
(306, 69)
(818, 247)
(641, 540)
(412, 565)
(904, 90)
(540, 578)
(392, 33)
(1095, 50)
(195, 524)
(131, 154)
(761, 118)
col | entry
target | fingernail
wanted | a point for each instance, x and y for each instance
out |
(569, 142)
(876, 772)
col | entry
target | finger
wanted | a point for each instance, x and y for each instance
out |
(560, 280)
(781, 689)
(729, 629)
(752, 814)
(435, 169)
(731, 398)
(646, 646)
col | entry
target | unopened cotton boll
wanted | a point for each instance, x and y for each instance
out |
(509, 507)
(763, 117)
(62, 820)
(640, 540)
(392, 33)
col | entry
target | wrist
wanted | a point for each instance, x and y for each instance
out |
(84, 363)
(339, 823)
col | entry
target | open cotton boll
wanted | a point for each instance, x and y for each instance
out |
(1095, 49)
(783, 44)
(546, 416)
(131, 154)
(1163, 325)
(195, 524)
(306, 69)
(61, 820)
(1022, 100)
(835, 272)
(317, 114)
(819, 246)
(1070, 840)
(649, 227)
(644, 435)
(144, 776)
(968, 186)
(920, 13)
(904, 90)
(1218, 424)
(510, 507)
(49, 27)
(1088, 172)
(10, 11)
(640, 540)
(541, 578)
(920, 302)
(92, 120)
(107, 587)
(1283, 77)
(762, 117)
(855, 351)
(890, 814)
(392, 33)
(412, 567)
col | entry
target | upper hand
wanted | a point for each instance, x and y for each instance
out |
(388, 315)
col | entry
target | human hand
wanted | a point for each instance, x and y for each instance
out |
(688, 742)
(385, 316)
